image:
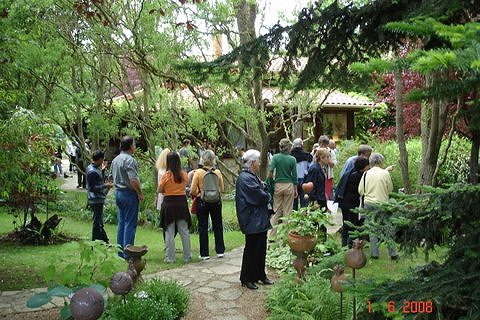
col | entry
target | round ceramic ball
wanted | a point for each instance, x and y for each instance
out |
(87, 304)
(121, 283)
(307, 187)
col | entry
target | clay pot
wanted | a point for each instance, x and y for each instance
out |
(121, 283)
(307, 187)
(87, 304)
(355, 257)
(301, 243)
(338, 278)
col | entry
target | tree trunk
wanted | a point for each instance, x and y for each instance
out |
(474, 167)
(402, 148)
(246, 13)
(434, 117)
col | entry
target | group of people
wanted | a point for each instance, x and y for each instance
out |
(293, 169)
(288, 171)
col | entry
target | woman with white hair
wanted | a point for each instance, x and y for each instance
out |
(374, 187)
(206, 208)
(251, 202)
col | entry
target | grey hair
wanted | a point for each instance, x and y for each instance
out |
(249, 157)
(208, 158)
(376, 159)
(364, 149)
(323, 140)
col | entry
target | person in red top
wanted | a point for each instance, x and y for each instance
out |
(174, 211)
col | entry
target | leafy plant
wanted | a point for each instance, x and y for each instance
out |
(305, 221)
(309, 299)
(24, 172)
(156, 299)
(98, 261)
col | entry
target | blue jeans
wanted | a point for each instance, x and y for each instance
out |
(127, 203)
(301, 196)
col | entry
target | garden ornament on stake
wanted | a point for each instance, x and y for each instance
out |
(121, 283)
(355, 259)
(135, 262)
(302, 228)
(336, 282)
(87, 304)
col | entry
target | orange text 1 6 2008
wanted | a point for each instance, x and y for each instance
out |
(407, 306)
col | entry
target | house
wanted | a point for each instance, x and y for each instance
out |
(331, 113)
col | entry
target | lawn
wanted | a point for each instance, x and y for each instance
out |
(22, 266)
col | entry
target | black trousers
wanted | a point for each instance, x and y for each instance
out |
(253, 262)
(348, 215)
(215, 211)
(98, 232)
(81, 176)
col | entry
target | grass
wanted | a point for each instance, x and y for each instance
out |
(22, 267)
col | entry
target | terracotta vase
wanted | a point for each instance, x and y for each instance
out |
(301, 243)
(355, 257)
(338, 278)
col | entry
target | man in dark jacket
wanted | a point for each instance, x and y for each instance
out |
(251, 202)
(96, 192)
(303, 162)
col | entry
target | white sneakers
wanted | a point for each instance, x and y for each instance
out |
(219, 255)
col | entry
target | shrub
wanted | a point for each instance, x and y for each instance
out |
(309, 299)
(156, 299)
(454, 170)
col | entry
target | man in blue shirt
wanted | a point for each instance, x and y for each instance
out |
(128, 192)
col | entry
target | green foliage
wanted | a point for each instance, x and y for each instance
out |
(156, 299)
(441, 216)
(98, 261)
(305, 221)
(454, 170)
(309, 299)
(25, 160)
(279, 257)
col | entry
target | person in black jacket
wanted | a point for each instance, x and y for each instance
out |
(303, 162)
(317, 175)
(351, 199)
(251, 202)
(97, 190)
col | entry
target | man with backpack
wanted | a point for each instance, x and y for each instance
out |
(207, 184)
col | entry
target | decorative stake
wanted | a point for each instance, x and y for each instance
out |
(336, 282)
(355, 259)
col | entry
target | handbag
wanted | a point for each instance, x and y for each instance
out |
(193, 209)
